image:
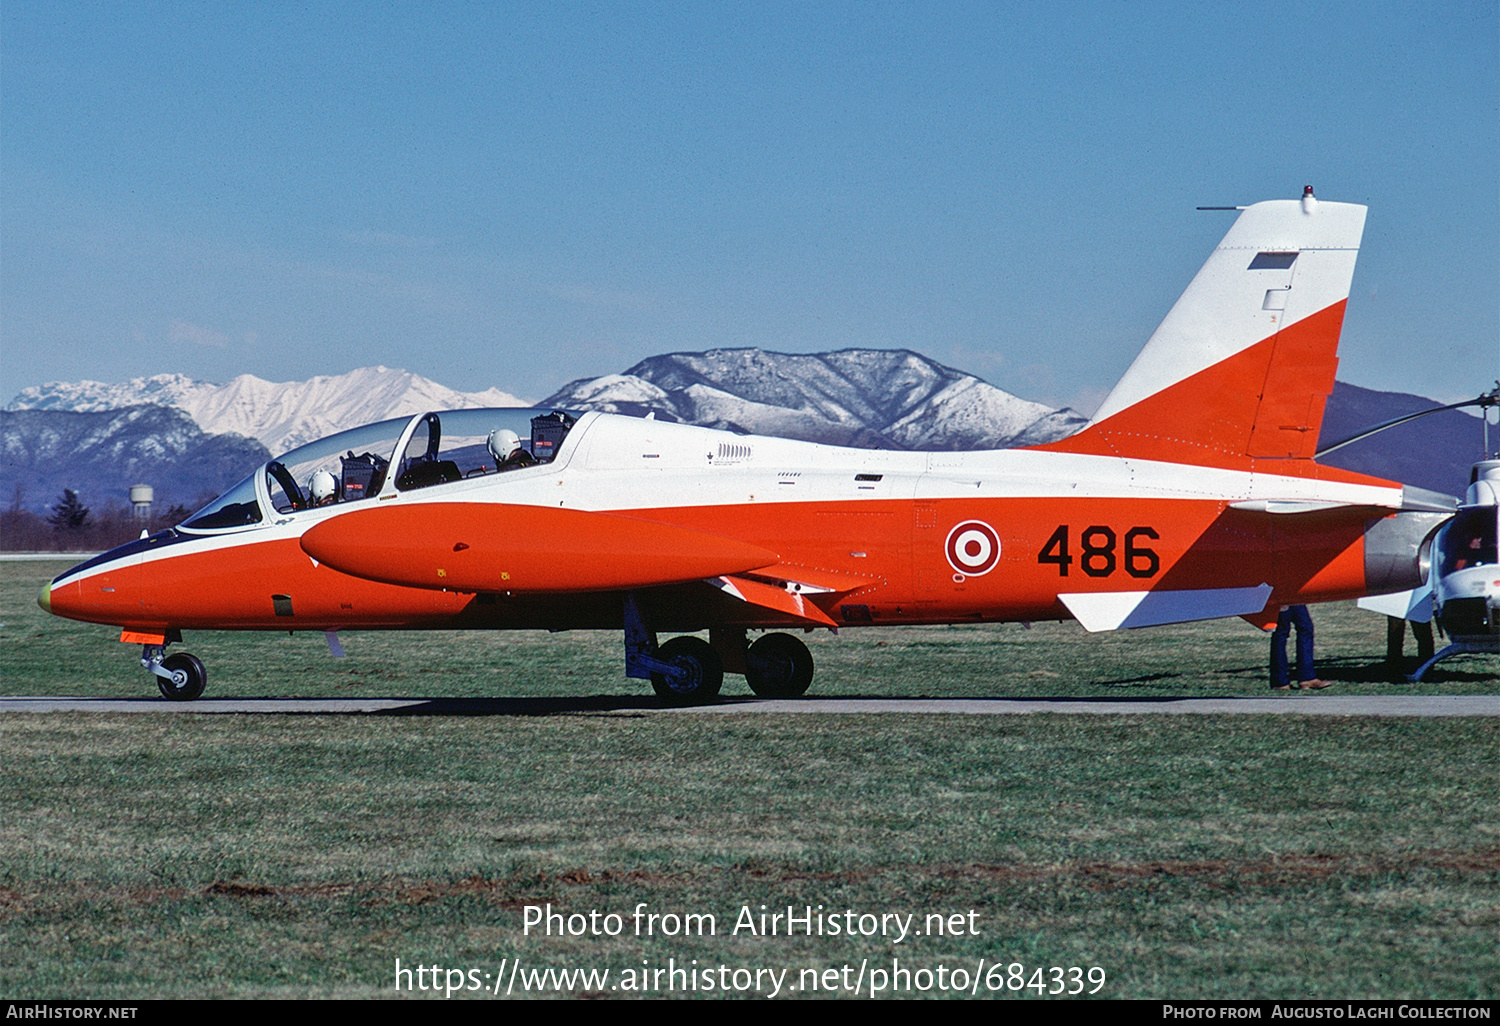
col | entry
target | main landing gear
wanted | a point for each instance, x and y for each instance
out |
(778, 666)
(180, 677)
(690, 671)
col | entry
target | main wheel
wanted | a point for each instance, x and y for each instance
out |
(778, 666)
(702, 671)
(188, 677)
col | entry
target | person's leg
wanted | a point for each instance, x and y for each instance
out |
(1395, 639)
(1279, 676)
(1423, 631)
(1307, 672)
(1302, 620)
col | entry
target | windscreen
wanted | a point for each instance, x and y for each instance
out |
(235, 508)
(354, 462)
(1468, 540)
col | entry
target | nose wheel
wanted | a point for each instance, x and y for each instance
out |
(180, 677)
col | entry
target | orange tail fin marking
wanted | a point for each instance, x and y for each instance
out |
(1265, 401)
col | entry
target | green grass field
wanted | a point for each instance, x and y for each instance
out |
(47, 655)
(186, 856)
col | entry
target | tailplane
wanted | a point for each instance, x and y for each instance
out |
(1241, 367)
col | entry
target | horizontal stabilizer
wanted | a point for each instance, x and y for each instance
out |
(1113, 610)
(1415, 605)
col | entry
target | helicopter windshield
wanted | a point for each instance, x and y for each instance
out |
(1468, 540)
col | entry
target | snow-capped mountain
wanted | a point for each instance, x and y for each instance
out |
(874, 398)
(281, 415)
(860, 397)
(889, 399)
(100, 455)
(185, 436)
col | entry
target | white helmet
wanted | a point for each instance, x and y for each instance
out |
(503, 443)
(321, 487)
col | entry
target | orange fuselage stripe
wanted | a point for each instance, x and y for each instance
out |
(1046, 546)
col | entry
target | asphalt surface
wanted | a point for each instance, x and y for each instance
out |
(1280, 705)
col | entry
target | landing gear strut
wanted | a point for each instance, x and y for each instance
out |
(688, 670)
(693, 671)
(1456, 648)
(685, 670)
(180, 677)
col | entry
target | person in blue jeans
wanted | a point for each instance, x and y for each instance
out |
(1307, 675)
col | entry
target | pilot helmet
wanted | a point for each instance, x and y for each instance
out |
(322, 486)
(503, 443)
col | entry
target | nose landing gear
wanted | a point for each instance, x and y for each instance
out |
(180, 677)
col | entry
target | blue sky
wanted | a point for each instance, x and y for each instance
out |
(518, 194)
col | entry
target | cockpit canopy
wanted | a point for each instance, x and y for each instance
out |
(425, 450)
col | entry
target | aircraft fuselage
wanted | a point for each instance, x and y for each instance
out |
(1192, 495)
(863, 536)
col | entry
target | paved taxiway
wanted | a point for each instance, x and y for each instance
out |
(1292, 705)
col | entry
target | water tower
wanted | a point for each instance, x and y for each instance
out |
(140, 501)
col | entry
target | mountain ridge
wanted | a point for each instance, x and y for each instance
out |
(101, 453)
(887, 399)
(280, 415)
(870, 398)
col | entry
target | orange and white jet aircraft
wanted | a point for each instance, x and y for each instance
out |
(1191, 495)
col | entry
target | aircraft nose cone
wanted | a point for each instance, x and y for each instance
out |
(45, 598)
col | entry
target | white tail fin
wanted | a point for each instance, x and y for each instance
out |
(1242, 365)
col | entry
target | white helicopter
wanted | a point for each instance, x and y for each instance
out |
(1466, 571)
(1463, 589)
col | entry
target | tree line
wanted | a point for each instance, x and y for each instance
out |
(71, 526)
